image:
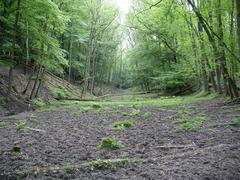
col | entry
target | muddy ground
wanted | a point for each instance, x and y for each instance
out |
(159, 147)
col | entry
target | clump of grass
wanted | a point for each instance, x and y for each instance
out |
(22, 125)
(235, 122)
(190, 124)
(110, 143)
(147, 115)
(107, 164)
(123, 124)
(32, 118)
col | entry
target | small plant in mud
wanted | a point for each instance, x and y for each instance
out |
(235, 122)
(22, 125)
(191, 123)
(147, 115)
(123, 124)
(107, 164)
(110, 143)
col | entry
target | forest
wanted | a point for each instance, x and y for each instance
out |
(119, 89)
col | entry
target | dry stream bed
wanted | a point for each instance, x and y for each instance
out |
(193, 141)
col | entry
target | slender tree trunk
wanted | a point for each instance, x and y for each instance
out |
(35, 83)
(10, 74)
(238, 24)
(70, 56)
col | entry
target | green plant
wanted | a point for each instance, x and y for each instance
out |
(147, 115)
(190, 124)
(123, 124)
(235, 122)
(22, 125)
(110, 143)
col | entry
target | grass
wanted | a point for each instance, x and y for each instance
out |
(119, 125)
(110, 143)
(235, 122)
(190, 123)
(134, 104)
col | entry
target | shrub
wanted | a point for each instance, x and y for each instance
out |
(110, 143)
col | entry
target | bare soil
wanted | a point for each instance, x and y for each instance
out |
(156, 144)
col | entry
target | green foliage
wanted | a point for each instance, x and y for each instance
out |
(60, 92)
(123, 124)
(38, 102)
(191, 123)
(110, 143)
(107, 164)
(22, 125)
(235, 122)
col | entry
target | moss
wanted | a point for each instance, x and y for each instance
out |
(110, 143)
(123, 124)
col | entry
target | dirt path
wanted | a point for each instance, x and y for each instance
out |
(156, 147)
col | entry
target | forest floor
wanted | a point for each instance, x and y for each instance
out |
(197, 140)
